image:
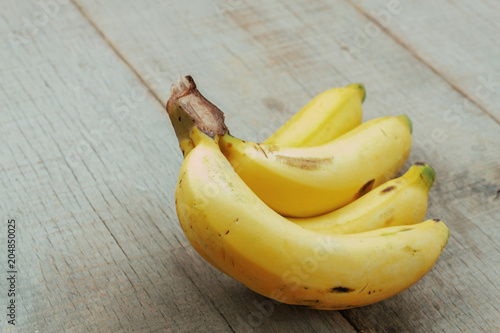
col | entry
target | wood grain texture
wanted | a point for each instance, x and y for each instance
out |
(89, 160)
(457, 39)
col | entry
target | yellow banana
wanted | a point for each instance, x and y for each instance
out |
(357, 218)
(303, 182)
(279, 259)
(399, 201)
(327, 116)
(273, 256)
(190, 237)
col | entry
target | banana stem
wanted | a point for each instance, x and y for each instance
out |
(188, 108)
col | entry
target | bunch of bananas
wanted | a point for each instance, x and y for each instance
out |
(312, 216)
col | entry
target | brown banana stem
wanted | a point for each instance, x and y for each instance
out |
(187, 102)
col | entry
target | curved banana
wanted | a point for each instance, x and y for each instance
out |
(327, 116)
(281, 260)
(399, 201)
(303, 182)
(275, 257)
(354, 218)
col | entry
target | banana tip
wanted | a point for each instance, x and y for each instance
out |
(361, 88)
(408, 122)
(428, 174)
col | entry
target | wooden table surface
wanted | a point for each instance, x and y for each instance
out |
(89, 160)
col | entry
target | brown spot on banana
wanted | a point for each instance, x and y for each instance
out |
(389, 221)
(365, 188)
(259, 148)
(340, 290)
(410, 250)
(303, 163)
(388, 189)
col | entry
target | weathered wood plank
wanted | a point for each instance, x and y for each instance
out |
(260, 61)
(457, 39)
(88, 165)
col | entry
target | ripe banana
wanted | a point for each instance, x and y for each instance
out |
(327, 116)
(303, 182)
(281, 260)
(355, 217)
(399, 201)
(273, 256)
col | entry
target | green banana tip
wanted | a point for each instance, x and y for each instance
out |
(427, 173)
(361, 88)
(408, 122)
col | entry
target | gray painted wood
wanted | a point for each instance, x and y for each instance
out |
(457, 39)
(89, 160)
